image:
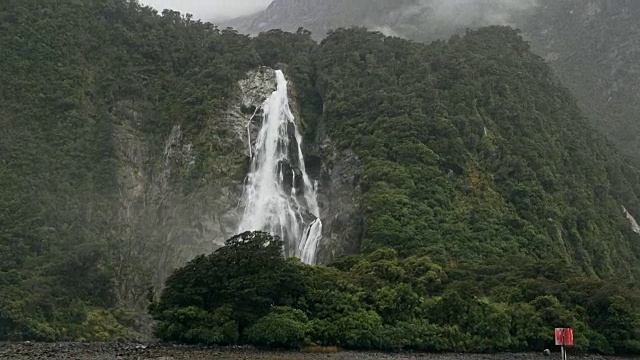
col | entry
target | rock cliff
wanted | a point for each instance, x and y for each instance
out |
(159, 216)
(168, 224)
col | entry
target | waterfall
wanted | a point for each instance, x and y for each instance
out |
(634, 224)
(279, 197)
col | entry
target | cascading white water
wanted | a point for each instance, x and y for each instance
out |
(634, 224)
(279, 197)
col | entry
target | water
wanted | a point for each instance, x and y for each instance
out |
(634, 224)
(279, 197)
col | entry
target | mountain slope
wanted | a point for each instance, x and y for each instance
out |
(474, 151)
(316, 16)
(124, 150)
(592, 45)
(117, 143)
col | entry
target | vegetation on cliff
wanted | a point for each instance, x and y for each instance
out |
(472, 150)
(71, 72)
(483, 186)
(593, 48)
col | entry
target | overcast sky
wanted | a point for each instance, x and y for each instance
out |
(210, 9)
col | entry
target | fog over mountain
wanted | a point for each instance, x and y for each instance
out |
(437, 18)
(210, 9)
(469, 12)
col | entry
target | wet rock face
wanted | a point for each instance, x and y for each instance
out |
(214, 205)
(245, 116)
(182, 201)
(292, 177)
(339, 193)
(340, 199)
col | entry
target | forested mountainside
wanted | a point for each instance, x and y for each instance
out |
(110, 127)
(123, 144)
(591, 45)
(594, 47)
(475, 152)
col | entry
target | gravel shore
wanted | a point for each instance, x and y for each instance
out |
(97, 351)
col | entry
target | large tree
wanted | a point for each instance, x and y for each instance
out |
(245, 278)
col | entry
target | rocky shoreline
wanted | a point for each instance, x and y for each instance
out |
(120, 351)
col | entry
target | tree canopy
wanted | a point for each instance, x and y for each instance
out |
(247, 293)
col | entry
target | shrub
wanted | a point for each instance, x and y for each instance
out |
(283, 327)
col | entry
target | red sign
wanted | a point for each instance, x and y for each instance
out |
(564, 336)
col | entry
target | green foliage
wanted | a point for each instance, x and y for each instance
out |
(476, 165)
(283, 327)
(237, 285)
(605, 95)
(374, 302)
(474, 151)
(74, 75)
(193, 325)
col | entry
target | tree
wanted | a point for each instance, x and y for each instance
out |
(283, 327)
(249, 275)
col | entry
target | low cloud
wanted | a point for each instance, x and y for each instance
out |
(478, 12)
(432, 19)
(210, 9)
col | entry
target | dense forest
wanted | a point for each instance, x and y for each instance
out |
(247, 293)
(483, 187)
(71, 73)
(593, 48)
(476, 153)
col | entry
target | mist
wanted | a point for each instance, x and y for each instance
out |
(462, 13)
(427, 20)
(210, 9)
(474, 12)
